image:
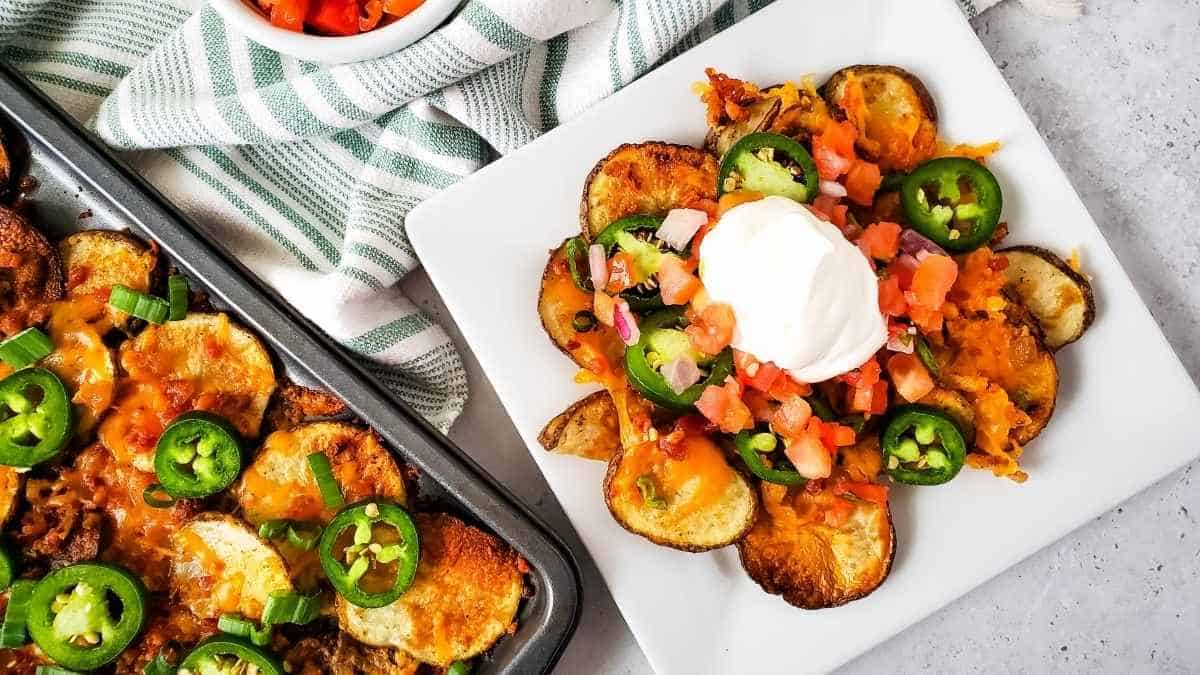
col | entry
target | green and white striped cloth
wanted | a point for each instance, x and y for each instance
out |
(306, 172)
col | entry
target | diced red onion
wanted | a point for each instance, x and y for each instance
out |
(907, 261)
(833, 188)
(680, 226)
(598, 265)
(681, 373)
(626, 323)
(900, 342)
(914, 243)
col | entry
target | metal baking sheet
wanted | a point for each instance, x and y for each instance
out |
(83, 185)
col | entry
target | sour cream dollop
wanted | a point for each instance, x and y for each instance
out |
(804, 297)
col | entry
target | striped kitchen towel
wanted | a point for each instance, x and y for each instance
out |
(306, 172)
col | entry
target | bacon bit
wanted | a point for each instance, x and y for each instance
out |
(725, 97)
(712, 330)
(689, 425)
(736, 198)
(79, 274)
(862, 182)
(623, 273)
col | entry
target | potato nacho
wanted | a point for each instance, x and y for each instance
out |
(169, 502)
(811, 309)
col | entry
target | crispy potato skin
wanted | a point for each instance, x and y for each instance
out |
(219, 565)
(559, 300)
(203, 362)
(10, 492)
(650, 177)
(293, 405)
(588, 429)
(31, 275)
(96, 260)
(897, 118)
(698, 517)
(1059, 298)
(791, 552)
(465, 596)
(1036, 391)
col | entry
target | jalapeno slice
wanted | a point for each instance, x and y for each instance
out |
(663, 340)
(84, 615)
(577, 261)
(36, 417)
(369, 551)
(763, 454)
(222, 654)
(769, 163)
(922, 446)
(954, 201)
(197, 455)
(635, 234)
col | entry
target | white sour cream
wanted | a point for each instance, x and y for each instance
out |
(804, 297)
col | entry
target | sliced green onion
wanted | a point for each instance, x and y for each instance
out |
(12, 631)
(273, 529)
(331, 492)
(921, 347)
(289, 607)
(237, 625)
(304, 536)
(460, 668)
(55, 670)
(177, 296)
(28, 346)
(8, 566)
(160, 666)
(156, 497)
(135, 303)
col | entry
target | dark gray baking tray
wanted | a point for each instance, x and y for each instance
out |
(84, 185)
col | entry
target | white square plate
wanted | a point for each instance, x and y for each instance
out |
(1124, 400)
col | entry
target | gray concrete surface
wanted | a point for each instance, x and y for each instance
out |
(1116, 94)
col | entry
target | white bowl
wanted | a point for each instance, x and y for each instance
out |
(402, 32)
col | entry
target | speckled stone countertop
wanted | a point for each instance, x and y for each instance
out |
(1116, 94)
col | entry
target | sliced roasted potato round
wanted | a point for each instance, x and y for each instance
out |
(294, 404)
(892, 110)
(558, 302)
(11, 481)
(693, 501)
(956, 406)
(588, 429)
(31, 275)
(650, 177)
(1059, 298)
(1033, 386)
(464, 597)
(81, 358)
(793, 551)
(760, 115)
(95, 260)
(203, 362)
(219, 565)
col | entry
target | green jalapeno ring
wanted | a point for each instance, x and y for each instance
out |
(922, 446)
(346, 565)
(755, 160)
(197, 455)
(952, 223)
(575, 249)
(646, 378)
(646, 297)
(37, 417)
(70, 614)
(754, 449)
(221, 650)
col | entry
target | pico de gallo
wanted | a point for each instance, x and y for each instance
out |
(335, 17)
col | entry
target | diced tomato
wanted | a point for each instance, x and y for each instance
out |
(877, 494)
(863, 386)
(622, 272)
(334, 17)
(289, 14)
(372, 14)
(706, 205)
(909, 376)
(880, 241)
(712, 330)
(833, 149)
(400, 8)
(862, 181)
(830, 165)
(676, 284)
(903, 268)
(759, 404)
(784, 387)
(891, 298)
(860, 398)
(688, 425)
(840, 137)
(808, 454)
(928, 320)
(753, 374)
(933, 279)
(693, 262)
(792, 417)
(723, 407)
(736, 198)
(835, 435)
(879, 398)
